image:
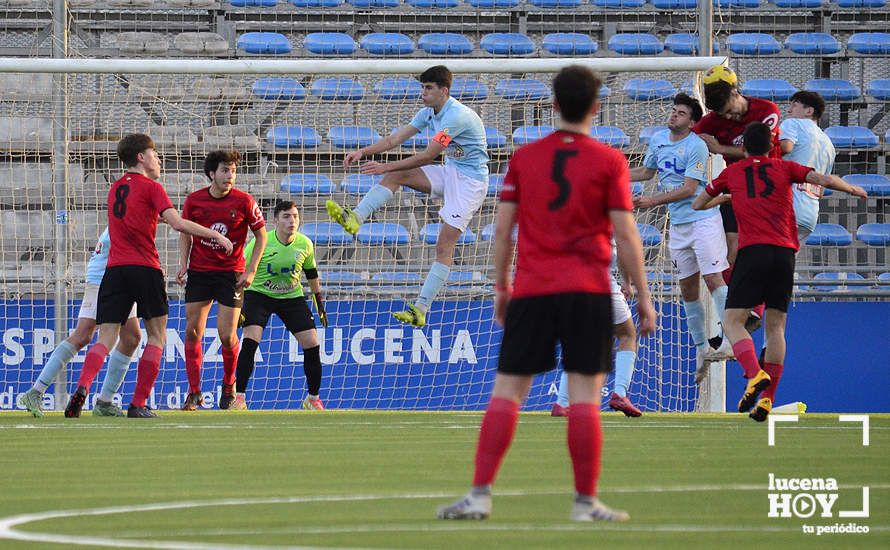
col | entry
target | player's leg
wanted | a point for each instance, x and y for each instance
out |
(196, 313)
(298, 319)
(625, 360)
(709, 246)
(227, 325)
(118, 363)
(436, 277)
(151, 300)
(256, 310)
(376, 197)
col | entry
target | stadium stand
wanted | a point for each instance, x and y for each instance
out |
(774, 89)
(307, 184)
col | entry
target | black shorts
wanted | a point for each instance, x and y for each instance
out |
(730, 225)
(763, 273)
(580, 322)
(214, 285)
(122, 285)
(293, 312)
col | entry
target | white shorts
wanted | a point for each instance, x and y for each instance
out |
(91, 300)
(620, 309)
(461, 194)
(699, 247)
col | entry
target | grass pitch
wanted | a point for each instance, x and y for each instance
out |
(374, 479)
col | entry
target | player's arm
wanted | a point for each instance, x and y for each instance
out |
(427, 156)
(185, 249)
(503, 258)
(642, 173)
(630, 261)
(172, 218)
(786, 145)
(259, 245)
(729, 152)
(317, 297)
(389, 142)
(838, 184)
(684, 192)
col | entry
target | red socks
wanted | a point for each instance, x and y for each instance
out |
(585, 436)
(146, 374)
(230, 361)
(744, 353)
(92, 364)
(774, 370)
(194, 356)
(495, 435)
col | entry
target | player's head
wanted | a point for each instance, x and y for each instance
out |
(436, 82)
(576, 90)
(724, 99)
(806, 105)
(287, 217)
(221, 168)
(684, 114)
(137, 151)
(757, 139)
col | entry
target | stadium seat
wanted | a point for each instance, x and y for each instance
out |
(495, 182)
(419, 140)
(829, 234)
(551, 4)
(879, 88)
(359, 184)
(494, 139)
(507, 43)
(812, 43)
(528, 134)
(873, 43)
(172, 137)
(173, 3)
(207, 43)
(383, 233)
(675, 4)
(646, 133)
(644, 89)
(685, 43)
(430, 233)
(278, 88)
(832, 89)
(316, 3)
(218, 88)
(649, 235)
(522, 89)
(434, 4)
(445, 43)
(307, 184)
(835, 276)
(884, 278)
(605, 92)
(393, 276)
(253, 3)
(23, 133)
(861, 3)
(876, 185)
(327, 43)
(342, 89)
(487, 232)
(798, 3)
(774, 89)
(753, 43)
(387, 43)
(619, 4)
(851, 137)
(264, 42)
(610, 135)
(325, 234)
(398, 88)
(372, 4)
(569, 43)
(464, 89)
(465, 276)
(136, 42)
(737, 4)
(635, 44)
(352, 137)
(489, 4)
(230, 136)
(293, 136)
(874, 234)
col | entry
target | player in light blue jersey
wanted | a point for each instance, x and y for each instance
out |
(697, 243)
(120, 359)
(456, 131)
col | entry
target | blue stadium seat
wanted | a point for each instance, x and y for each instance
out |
(387, 43)
(494, 139)
(675, 4)
(632, 43)
(522, 88)
(307, 184)
(293, 136)
(876, 185)
(337, 276)
(685, 43)
(369, 4)
(875, 43)
(851, 137)
(861, 3)
(551, 4)
(429, 233)
(465, 276)
(359, 184)
(406, 276)
(879, 88)
(487, 232)
(737, 4)
(884, 278)
(495, 182)
(829, 234)
(619, 4)
(528, 134)
(832, 89)
(278, 88)
(798, 3)
(352, 137)
(610, 135)
(649, 131)
(463, 89)
(327, 43)
(605, 91)
(774, 89)
(835, 276)
(488, 4)
(342, 89)
(753, 43)
(812, 43)
(316, 3)
(398, 88)
(874, 234)
(569, 43)
(383, 233)
(434, 4)
(644, 89)
(253, 3)
(507, 43)
(649, 235)
(419, 140)
(445, 43)
(264, 42)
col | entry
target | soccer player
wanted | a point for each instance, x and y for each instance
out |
(697, 243)
(214, 275)
(277, 289)
(761, 193)
(567, 192)
(83, 333)
(133, 274)
(462, 181)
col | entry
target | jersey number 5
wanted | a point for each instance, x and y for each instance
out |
(558, 175)
(762, 176)
(119, 208)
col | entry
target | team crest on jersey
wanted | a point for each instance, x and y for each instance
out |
(699, 166)
(220, 227)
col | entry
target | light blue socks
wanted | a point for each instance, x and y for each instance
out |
(719, 297)
(373, 199)
(60, 357)
(624, 371)
(118, 364)
(435, 279)
(695, 321)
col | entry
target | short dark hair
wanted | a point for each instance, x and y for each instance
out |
(692, 103)
(758, 138)
(129, 147)
(810, 99)
(717, 95)
(440, 75)
(215, 158)
(281, 206)
(576, 88)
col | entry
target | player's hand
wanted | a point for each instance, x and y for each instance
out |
(857, 191)
(627, 290)
(352, 158)
(245, 279)
(181, 275)
(502, 297)
(373, 168)
(224, 242)
(711, 142)
(647, 316)
(319, 306)
(643, 202)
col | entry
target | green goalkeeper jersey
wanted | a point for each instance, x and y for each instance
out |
(278, 274)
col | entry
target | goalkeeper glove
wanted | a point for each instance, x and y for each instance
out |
(319, 305)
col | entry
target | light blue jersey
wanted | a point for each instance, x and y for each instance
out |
(99, 259)
(460, 129)
(814, 149)
(675, 161)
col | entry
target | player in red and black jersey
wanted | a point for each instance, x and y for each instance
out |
(567, 192)
(133, 275)
(761, 194)
(214, 275)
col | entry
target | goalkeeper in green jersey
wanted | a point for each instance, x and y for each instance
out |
(277, 289)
